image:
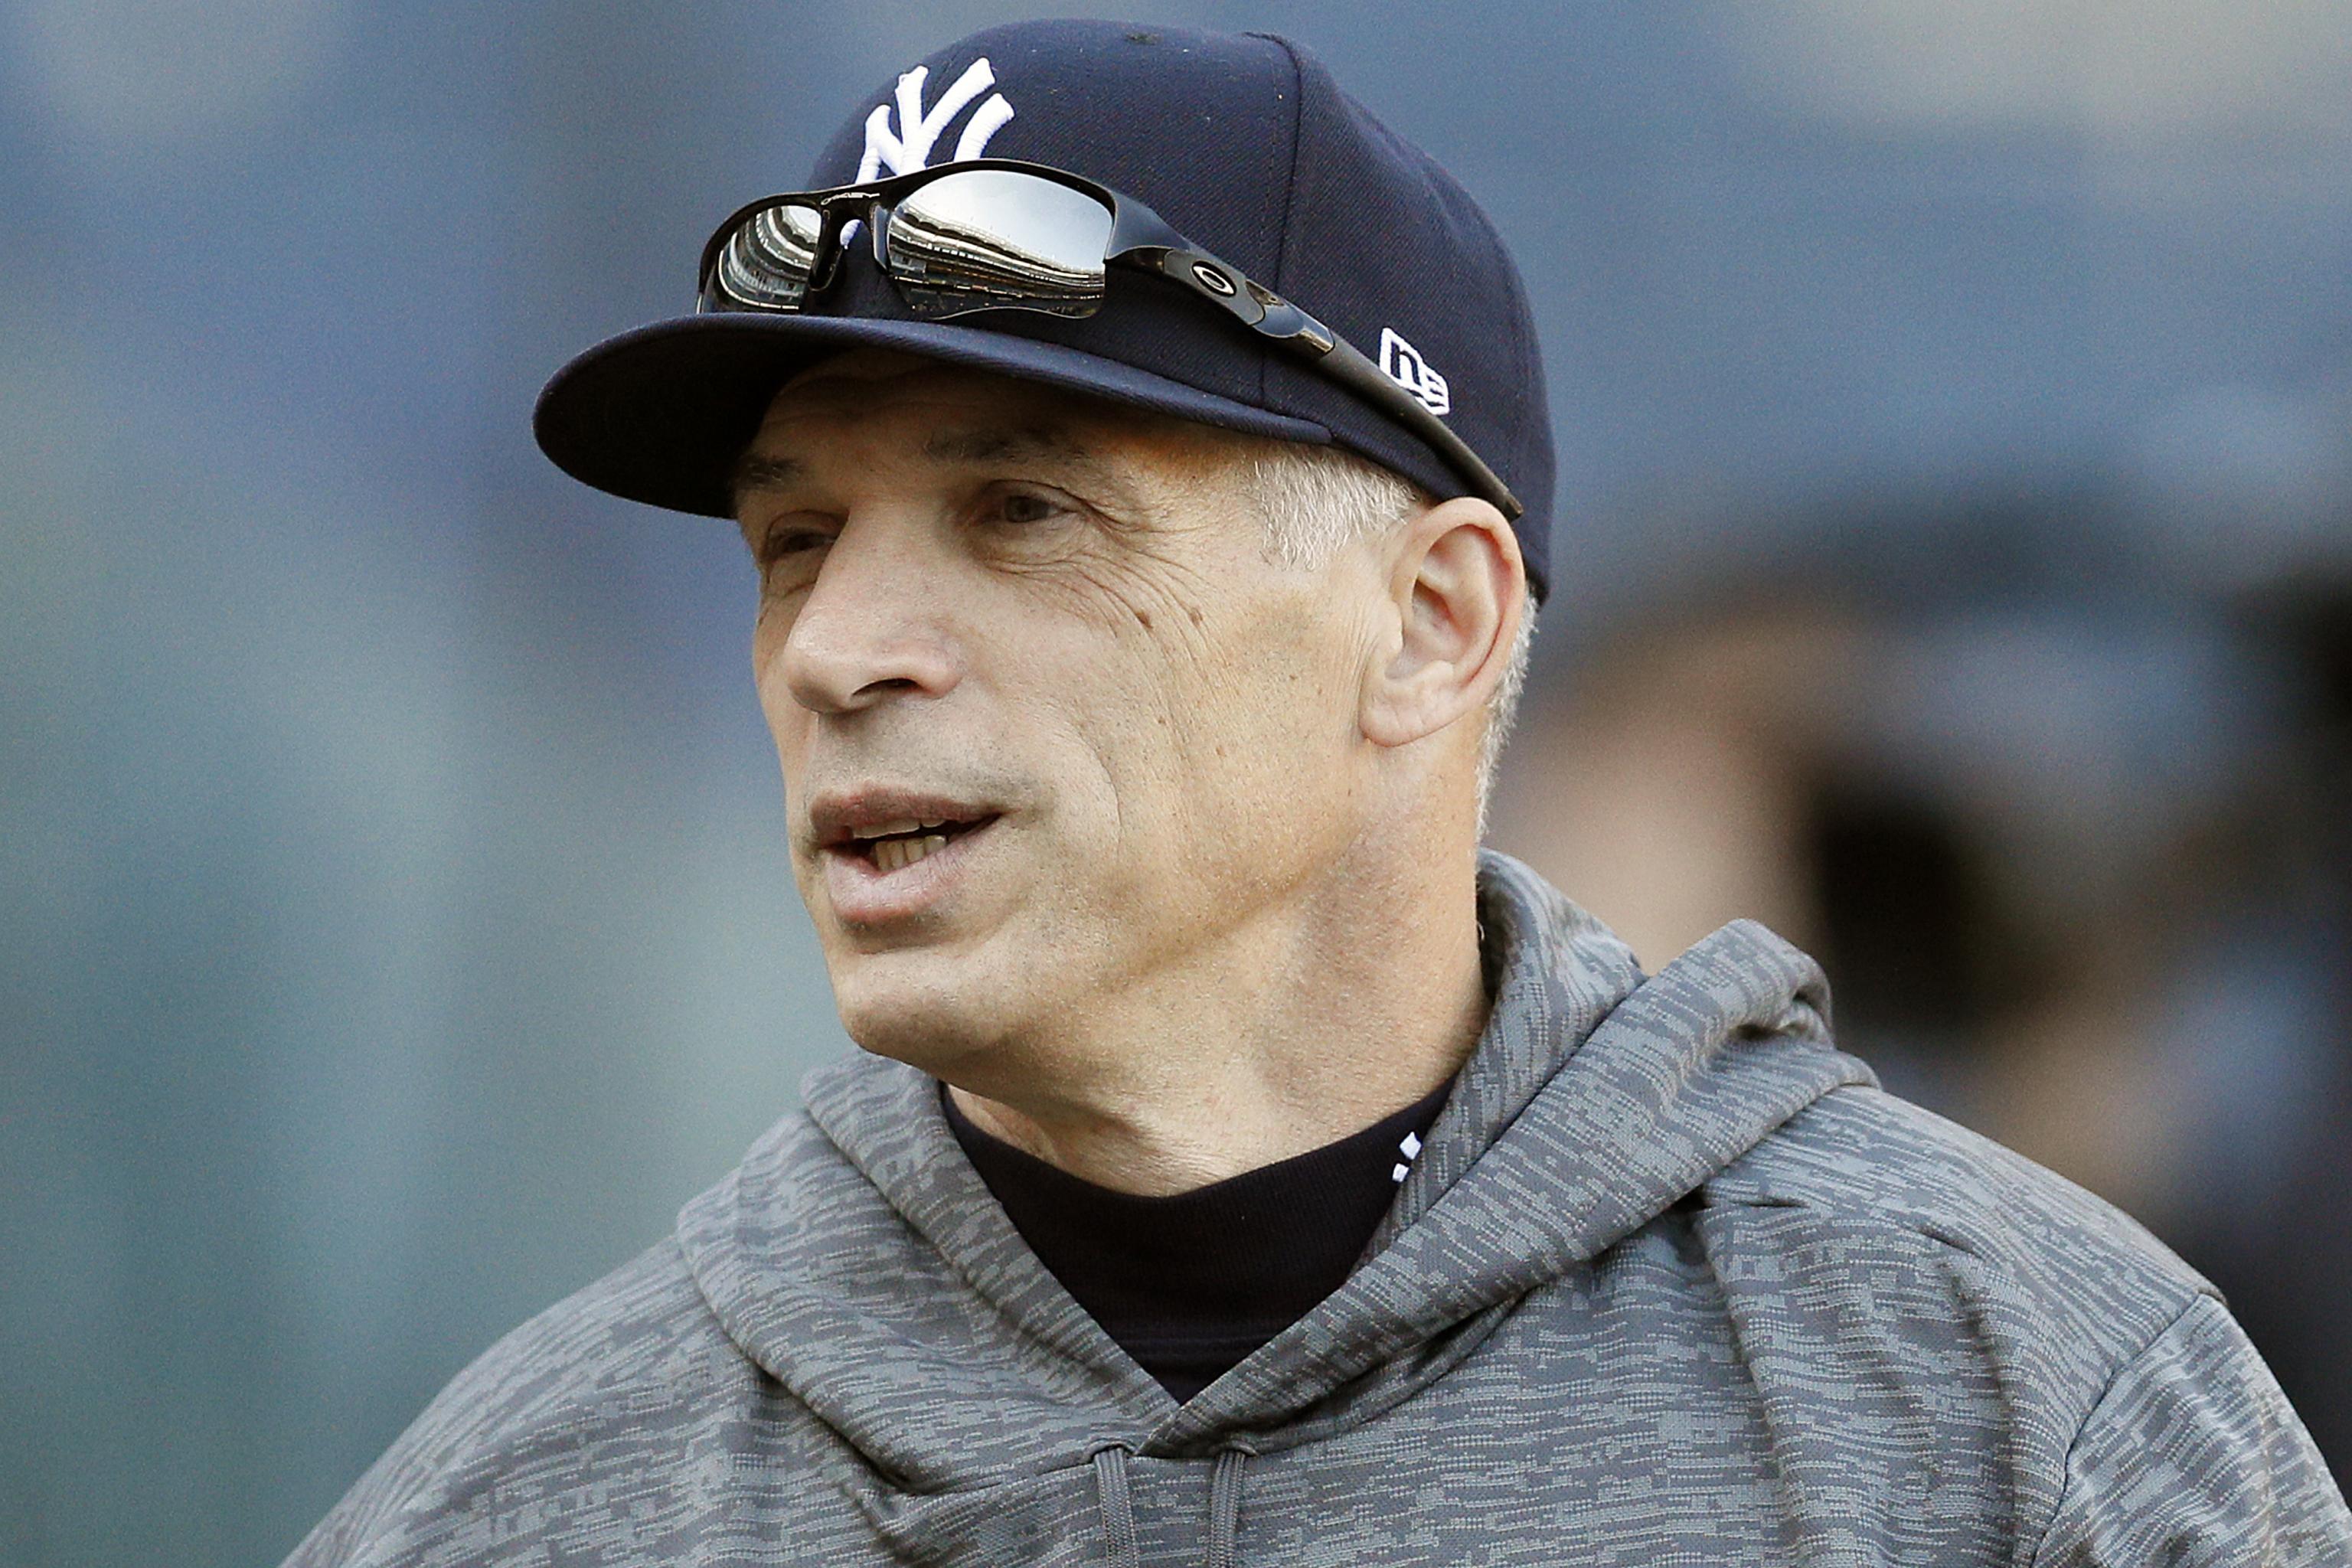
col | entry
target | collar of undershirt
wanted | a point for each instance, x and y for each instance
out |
(1190, 1284)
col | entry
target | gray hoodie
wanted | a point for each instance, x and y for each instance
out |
(1671, 1282)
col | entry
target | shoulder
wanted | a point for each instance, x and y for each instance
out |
(1868, 1192)
(1920, 1305)
(588, 1384)
(644, 1325)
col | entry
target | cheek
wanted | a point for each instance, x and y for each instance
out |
(1280, 680)
(1247, 733)
(768, 628)
(787, 719)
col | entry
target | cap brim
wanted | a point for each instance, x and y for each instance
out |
(660, 414)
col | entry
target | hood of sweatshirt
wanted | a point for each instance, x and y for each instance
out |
(858, 1258)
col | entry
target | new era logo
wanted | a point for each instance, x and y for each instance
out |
(1402, 364)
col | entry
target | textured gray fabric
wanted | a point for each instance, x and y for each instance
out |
(1671, 1282)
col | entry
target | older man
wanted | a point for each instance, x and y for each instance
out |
(1240, 1167)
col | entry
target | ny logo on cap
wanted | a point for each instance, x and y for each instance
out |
(909, 148)
(1401, 362)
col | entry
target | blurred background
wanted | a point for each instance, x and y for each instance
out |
(1955, 410)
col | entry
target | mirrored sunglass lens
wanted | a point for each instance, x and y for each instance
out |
(768, 259)
(998, 238)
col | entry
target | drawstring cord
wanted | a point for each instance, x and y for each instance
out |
(1117, 1509)
(1225, 1507)
(1118, 1503)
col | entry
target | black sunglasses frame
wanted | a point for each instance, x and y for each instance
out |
(1140, 240)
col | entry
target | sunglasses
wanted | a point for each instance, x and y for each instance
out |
(994, 234)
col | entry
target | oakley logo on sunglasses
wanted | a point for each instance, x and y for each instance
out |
(1402, 364)
(909, 148)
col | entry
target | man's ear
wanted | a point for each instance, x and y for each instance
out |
(1456, 590)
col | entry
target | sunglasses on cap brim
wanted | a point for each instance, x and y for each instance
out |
(995, 234)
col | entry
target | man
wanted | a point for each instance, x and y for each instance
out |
(1145, 458)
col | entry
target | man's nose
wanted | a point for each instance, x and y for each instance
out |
(869, 625)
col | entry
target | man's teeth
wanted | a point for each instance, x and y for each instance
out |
(893, 853)
(909, 824)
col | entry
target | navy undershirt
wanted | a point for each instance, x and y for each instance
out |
(1190, 1285)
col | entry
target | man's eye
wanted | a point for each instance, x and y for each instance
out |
(782, 543)
(1028, 506)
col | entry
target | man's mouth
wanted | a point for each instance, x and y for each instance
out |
(890, 847)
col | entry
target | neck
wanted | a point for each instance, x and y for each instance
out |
(1305, 1028)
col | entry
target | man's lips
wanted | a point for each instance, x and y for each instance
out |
(901, 844)
(879, 881)
(855, 819)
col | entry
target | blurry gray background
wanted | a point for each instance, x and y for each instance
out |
(1955, 410)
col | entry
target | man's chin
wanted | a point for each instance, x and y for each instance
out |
(921, 1008)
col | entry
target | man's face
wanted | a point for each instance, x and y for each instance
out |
(1051, 628)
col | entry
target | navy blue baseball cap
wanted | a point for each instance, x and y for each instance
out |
(1242, 142)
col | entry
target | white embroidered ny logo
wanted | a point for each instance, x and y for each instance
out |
(910, 148)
